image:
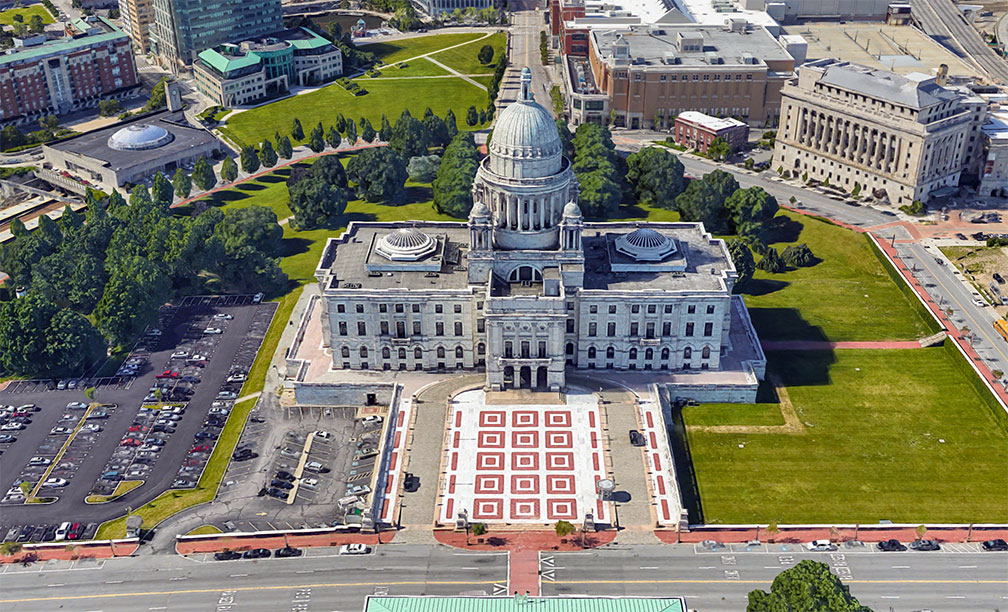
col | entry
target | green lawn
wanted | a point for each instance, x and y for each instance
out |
(846, 296)
(417, 67)
(390, 97)
(464, 60)
(733, 414)
(399, 50)
(7, 17)
(900, 435)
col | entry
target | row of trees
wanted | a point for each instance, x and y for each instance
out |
(99, 279)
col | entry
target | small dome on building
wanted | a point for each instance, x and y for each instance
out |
(140, 137)
(479, 209)
(572, 209)
(645, 244)
(406, 244)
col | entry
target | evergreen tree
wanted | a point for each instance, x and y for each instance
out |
(453, 185)
(284, 147)
(162, 191)
(450, 125)
(267, 155)
(385, 133)
(249, 160)
(334, 139)
(472, 116)
(203, 174)
(297, 133)
(772, 262)
(351, 133)
(368, 133)
(378, 174)
(229, 170)
(742, 257)
(182, 183)
(340, 123)
(657, 176)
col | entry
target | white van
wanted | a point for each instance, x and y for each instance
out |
(61, 533)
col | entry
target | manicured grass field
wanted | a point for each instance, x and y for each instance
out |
(399, 50)
(417, 67)
(464, 60)
(733, 414)
(386, 96)
(846, 296)
(7, 17)
(890, 434)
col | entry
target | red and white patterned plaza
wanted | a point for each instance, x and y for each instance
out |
(524, 463)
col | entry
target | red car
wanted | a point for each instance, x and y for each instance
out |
(202, 448)
(136, 428)
(168, 374)
(131, 442)
(75, 531)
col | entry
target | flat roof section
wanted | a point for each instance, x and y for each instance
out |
(652, 45)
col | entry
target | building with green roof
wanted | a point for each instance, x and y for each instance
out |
(236, 74)
(521, 603)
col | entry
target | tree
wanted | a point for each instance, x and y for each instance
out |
(316, 141)
(704, 201)
(10, 548)
(229, 170)
(719, 149)
(479, 529)
(798, 256)
(378, 174)
(249, 160)
(340, 123)
(157, 97)
(284, 148)
(37, 337)
(368, 133)
(599, 170)
(297, 133)
(809, 586)
(162, 191)
(136, 288)
(751, 210)
(108, 108)
(267, 156)
(35, 23)
(600, 195)
(772, 262)
(742, 257)
(333, 137)
(450, 124)
(203, 174)
(385, 132)
(472, 116)
(316, 204)
(182, 184)
(657, 176)
(563, 528)
(453, 185)
(329, 169)
(566, 138)
(423, 168)
(856, 190)
(351, 133)
(485, 55)
(772, 532)
(921, 531)
(409, 137)
(436, 129)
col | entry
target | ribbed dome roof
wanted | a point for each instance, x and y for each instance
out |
(479, 209)
(406, 244)
(572, 209)
(645, 244)
(525, 124)
(140, 137)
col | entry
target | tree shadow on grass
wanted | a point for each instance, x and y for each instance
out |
(783, 229)
(762, 286)
(227, 196)
(414, 194)
(251, 186)
(294, 246)
(801, 368)
(784, 324)
(277, 176)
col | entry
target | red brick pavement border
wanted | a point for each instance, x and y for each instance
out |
(864, 533)
(538, 539)
(813, 345)
(69, 551)
(218, 542)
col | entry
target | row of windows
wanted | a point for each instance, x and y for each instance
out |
(649, 329)
(399, 308)
(386, 352)
(384, 328)
(705, 353)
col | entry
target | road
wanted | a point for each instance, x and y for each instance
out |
(320, 581)
(527, 22)
(942, 282)
(942, 21)
(715, 582)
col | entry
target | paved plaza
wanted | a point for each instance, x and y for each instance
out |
(524, 463)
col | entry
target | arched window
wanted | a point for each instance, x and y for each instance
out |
(610, 352)
(633, 354)
(705, 353)
(687, 353)
(525, 273)
(363, 352)
(665, 353)
(345, 351)
(649, 354)
(386, 353)
(591, 352)
(458, 352)
(481, 349)
(440, 352)
(417, 353)
(570, 348)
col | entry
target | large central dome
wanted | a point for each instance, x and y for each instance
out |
(525, 141)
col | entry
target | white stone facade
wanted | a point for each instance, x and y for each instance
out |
(526, 289)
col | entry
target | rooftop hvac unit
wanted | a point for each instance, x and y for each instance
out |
(670, 58)
(713, 58)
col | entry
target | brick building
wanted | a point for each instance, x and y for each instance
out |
(92, 62)
(697, 131)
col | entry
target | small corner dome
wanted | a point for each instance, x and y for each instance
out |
(406, 244)
(645, 244)
(572, 209)
(479, 209)
(140, 137)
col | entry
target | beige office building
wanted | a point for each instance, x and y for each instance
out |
(136, 19)
(907, 136)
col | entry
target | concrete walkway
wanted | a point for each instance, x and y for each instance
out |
(457, 73)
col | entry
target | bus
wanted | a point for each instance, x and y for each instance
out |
(1002, 328)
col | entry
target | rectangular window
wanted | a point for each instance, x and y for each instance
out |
(481, 325)
(458, 308)
(635, 308)
(340, 308)
(382, 307)
(542, 349)
(708, 328)
(342, 328)
(651, 308)
(650, 330)
(416, 328)
(668, 308)
(666, 329)
(634, 329)
(689, 329)
(593, 309)
(438, 308)
(710, 308)
(570, 326)
(416, 307)
(398, 307)
(439, 329)
(612, 309)
(591, 328)
(360, 308)
(458, 328)
(691, 309)
(361, 328)
(508, 350)
(384, 328)
(611, 330)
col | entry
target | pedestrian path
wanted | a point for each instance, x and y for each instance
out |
(817, 345)
(457, 73)
(523, 572)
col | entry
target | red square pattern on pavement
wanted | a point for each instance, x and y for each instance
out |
(525, 508)
(526, 461)
(524, 418)
(524, 439)
(559, 439)
(557, 509)
(491, 439)
(559, 461)
(489, 483)
(559, 483)
(492, 418)
(490, 461)
(558, 418)
(488, 509)
(522, 484)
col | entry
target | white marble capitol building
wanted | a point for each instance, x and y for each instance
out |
(529, 292)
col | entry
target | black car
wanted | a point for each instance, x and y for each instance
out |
(288, 552)
(284, 475)
(259, 419)
(993, 545)
(281, 484)
(257, 553)
(227, 555)
(206, 435)
(925, 545)
(244, 454)
(411, 482)
(50, 534)
(891, 546)
(637, 438)
(277, 493)
(162, 429)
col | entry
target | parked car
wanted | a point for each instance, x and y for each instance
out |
(925, 545)
(76, 406)
(995, 545)
(15, 426)
(257, 553)
(39, 461)
(212, 331)
(821, 546)
(637, 438)
(411, 482)
(7, 438)
(281, 484)
(179, 354)
(284, 475)
(55, 482)
(358, 490)
(277, 493)
(223, 316)
(371, 419)
(309, 483)
(315, 466)
(62, 531)
(97, 414)
(91, 427)
(288, 551)
(236, 378)
(354, 549)
(227, 555)
(244, 454)
(60, 431)
(227, 395)
(325, 435)
(891, 546)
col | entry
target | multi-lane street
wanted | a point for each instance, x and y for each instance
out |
(943, 21)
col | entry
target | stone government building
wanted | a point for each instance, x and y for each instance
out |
(526, 290)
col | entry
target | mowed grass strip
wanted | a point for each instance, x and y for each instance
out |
(890, 434)
(385, 96)
(464, 59)
(846, 296)
(415, 68)
(406, 48)
(7, 17)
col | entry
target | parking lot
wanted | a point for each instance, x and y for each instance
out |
(152, 426)
(283, 487)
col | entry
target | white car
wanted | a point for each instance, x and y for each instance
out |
(55, 482)
(60, 431)
(76, 406)
(197, 357)
(821, 546)
(12, 427)
(228, 395)
(374, 418)
(180, 354)
(309, 483)
(213, 331)
(979, 302)
(354, 549)
(235, 378)
(154, 332)
(258, 298)
(325, 435)
(91, 427)
(223, 316)
(39, 461)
